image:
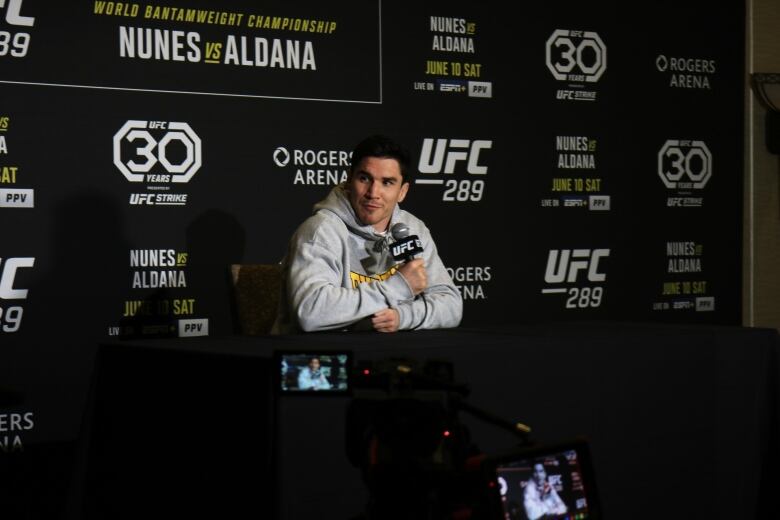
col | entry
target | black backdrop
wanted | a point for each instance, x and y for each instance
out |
(590, 165)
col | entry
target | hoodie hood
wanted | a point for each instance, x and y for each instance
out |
(337, 202)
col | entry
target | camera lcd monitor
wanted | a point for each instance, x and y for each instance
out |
(309, 373)
(554, 482)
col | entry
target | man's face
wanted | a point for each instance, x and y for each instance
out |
(374, 188)
(314, 365)
(539, 474)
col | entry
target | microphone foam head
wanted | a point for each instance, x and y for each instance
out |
(399, 230)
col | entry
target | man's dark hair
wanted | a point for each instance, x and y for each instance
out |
(385, 148)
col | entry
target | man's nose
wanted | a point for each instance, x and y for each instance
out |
(373, 190)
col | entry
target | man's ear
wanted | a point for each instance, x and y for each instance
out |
(404, 190)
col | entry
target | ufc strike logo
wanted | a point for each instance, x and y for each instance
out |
(459, 150)
(136, 130)
(8, 275)
(13, 16)
(678, 159)
(561, 268)
(580, 50)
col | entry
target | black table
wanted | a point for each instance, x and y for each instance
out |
(681, 420)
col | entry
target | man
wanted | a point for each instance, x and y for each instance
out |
(540, 498)
(312, 377)
(339, 272)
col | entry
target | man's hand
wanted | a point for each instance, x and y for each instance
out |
(415, 275)
(386, 320)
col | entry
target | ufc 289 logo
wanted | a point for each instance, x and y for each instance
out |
(576, 56)
(140, 145)
(684, 164)
(570, 266)
(15, 44)
(448, 155)
(11, 317)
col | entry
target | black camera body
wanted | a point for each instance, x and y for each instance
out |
(404, 434)
(418, 461)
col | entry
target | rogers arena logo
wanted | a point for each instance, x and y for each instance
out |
(159, 153)
(684, 165)
(691, 73)
(471, 281)
(315, 167)
(12, 43)
(578, 274)
(578, 57)
(12, 426)
(11, 314)
(450, 156)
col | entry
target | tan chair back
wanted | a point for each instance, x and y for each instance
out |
(256, 289)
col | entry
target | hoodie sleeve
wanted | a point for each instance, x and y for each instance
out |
(442, 306)
(315, 285)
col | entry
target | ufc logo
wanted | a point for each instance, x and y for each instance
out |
(684, 164)
(13, 16)
(8, 275)
(406, 247)
(153, 151)
(446, 154)
(576, 55)
(566, 264)
(137, 199)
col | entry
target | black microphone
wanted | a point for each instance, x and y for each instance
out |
(404, 248)
(405, 245)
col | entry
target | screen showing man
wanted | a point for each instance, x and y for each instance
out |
(548, 487)
(345, 269)
(314, 372)
(312, 377)
(540, 499)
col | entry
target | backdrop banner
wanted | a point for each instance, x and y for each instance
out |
(574, 161)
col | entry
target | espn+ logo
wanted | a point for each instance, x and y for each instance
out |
(11, 317)
(577, 56)
(571, 266)
(157, 151)
(445, 156)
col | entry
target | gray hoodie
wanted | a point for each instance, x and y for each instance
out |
(338, 273)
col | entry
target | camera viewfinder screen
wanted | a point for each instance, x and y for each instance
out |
(314, 372)
(543, 487)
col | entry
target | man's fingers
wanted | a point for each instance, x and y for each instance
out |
(385, 321)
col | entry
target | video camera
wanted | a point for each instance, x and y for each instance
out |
(418, 461)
